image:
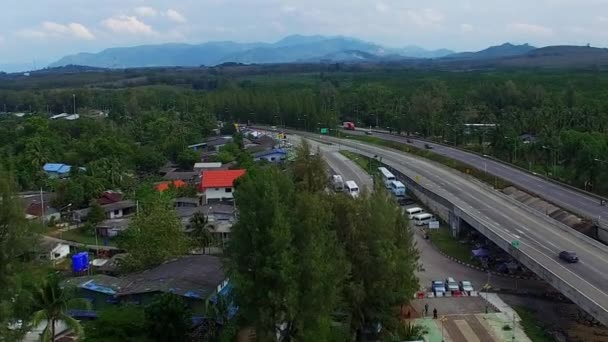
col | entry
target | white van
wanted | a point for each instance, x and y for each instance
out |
(387, 176)
(351, 188)
(423, 219)
(411, 212)
(397, 188)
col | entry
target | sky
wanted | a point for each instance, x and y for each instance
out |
(37, 32)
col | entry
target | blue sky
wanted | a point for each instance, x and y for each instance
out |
(42, 31)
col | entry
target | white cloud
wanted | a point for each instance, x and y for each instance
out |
(146, 11)
(50, 29)
(381, 7)
(175, 16)
(127, 24)
(427, 17)
(466, 27)
(530, 29)
(288, 9)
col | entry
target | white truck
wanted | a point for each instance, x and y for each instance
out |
(337, 183)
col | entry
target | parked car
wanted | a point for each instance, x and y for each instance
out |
(466, 286)
(568, 256)
(437, 286)
(428, 147)
(403, 201)
(451, 284)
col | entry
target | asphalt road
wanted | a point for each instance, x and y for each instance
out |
(570, 199)
(541, 237)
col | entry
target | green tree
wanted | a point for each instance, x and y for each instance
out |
(309, 169)
(51, 302)
(155, 235)
(382, 254)
(199, 233)
(187, 158)
(122, 323)
(168, 319)
(262, 260)
(96, 214)
(17, 238)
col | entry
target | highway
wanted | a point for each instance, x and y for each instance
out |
(541, 237)
(569, 199)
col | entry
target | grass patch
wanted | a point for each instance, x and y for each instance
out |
(443, 240)
(531, 326)
(370, 165)
(82, 236)
(428, 154)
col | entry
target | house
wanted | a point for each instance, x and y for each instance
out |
(217, 185)
(196, 278)
(220, 218)
(166, 185)
(36, 210)
(57, 170)
(185, 215)
(186, 176)
(211, 144)
(52, 250)
(113, 210)
(113, 227)
(273, 156)
(200, 167)
(108, 197)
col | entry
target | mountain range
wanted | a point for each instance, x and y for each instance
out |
(295, 48)
(331, 49)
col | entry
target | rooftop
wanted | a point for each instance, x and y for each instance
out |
(270, 152)
(165, 185)
(220, 178)
(207, 165)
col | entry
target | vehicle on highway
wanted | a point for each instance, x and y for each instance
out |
(348, 125)
(437, 286)
(409, 141)
(387, 176)
(411, 212)
(337, 182)
(428, 147)
(351, 188)
(368, 132)
(568, 256)
(423, 219)
(466, 286)
(397, 188)
(451, 284)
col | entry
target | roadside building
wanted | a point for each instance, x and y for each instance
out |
(274, 156)
(36, 210)
(109, 197)
(113, 227)
(217, 185)
(57, 170)
(112, 211)
(200, 167)
(52, 250)
(196, 278)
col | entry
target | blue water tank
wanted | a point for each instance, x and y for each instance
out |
(80, 262)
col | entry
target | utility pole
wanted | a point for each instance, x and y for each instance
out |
(74, 96)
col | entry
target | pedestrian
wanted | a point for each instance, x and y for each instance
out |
(434, 313)
(426, 309)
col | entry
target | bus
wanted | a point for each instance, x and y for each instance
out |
(351, 188)
(387, 176)
(423, 219)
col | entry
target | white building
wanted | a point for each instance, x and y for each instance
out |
(217, 185)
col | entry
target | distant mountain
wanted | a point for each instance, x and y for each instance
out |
(504, 50)
(418, 52)
(290, 49)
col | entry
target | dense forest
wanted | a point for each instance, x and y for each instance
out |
(566, 113)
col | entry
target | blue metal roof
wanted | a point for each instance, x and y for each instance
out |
(52, 167)
(64, 169)
(271, 152)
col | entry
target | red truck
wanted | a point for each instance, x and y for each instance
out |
(349, 125)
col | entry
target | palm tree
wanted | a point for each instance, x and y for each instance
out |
(410, 332)
(199, 232)
(52, 301)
